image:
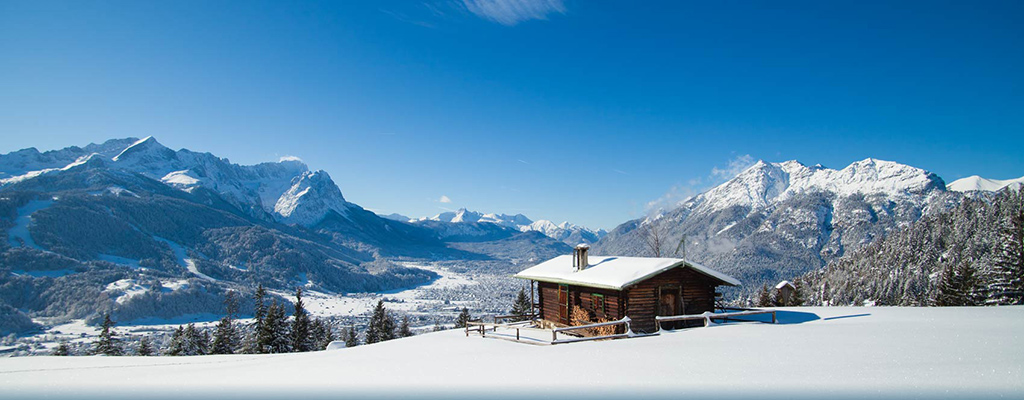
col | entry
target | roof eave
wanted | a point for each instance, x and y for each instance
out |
(569, 282)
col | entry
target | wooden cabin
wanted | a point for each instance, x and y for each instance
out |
(614, 287)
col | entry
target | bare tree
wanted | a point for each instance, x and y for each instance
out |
(653, 236)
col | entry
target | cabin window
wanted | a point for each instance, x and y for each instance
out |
(598, 303)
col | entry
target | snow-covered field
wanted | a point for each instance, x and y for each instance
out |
(812, 353)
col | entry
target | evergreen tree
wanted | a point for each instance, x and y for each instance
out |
(382, 325)
(403, 329)
(62, 349)
(322, 333)
(107, 343)
(437, 326)
(194, 342)
(958, 287)
(1008, 282)
(764, 297)
(797, 298)
(261, 335)
(177, 345)
(463, 319)
(145, 348)
(276, 335)
(523, 307)
(351, 338)
(301, 337)
(225, 337)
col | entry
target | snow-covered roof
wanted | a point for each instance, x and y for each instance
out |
(784, 284)
(614, 273)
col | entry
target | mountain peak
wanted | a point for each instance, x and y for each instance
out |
(146, 149)
(977, 183)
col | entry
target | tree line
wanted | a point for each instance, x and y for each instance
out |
(271, 331)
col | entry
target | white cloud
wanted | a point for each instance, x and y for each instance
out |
(683, 192)
(511, 12)
(736, 165)
(289, 158)
(444, 199)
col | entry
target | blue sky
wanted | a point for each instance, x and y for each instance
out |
(565, 110)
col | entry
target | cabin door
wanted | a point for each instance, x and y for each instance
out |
(670, 302)
(563, 304)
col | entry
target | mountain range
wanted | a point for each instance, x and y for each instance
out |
(132, 228)
(469, 224)
(775, 221)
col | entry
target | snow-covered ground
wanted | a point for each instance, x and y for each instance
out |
(412, 300)
(838, 352)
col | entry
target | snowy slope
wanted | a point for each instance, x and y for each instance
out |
(812, 353)
(977, 183)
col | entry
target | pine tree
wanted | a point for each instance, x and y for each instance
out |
(382, 325)
(958, 287)
(225, 338)
(177, 345)
(437, 326)
(194, 342)
(351, 338)
(62, 349)
(260, 343)
(107, 343)
(764, 297)
(322, 333)
(797, 298)
(463, 319)
(276, 335)
(523, 307)
(301, 339)
(1008, 282)
(145, 348)
(404, 330)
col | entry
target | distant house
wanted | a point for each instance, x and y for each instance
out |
(615, 287)
(784, 292)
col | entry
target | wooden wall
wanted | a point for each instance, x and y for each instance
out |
(579, 296)
(642, 299)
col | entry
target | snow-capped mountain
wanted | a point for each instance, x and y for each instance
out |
(776, 220)
(285, 191)
(139, 230)
(977, 183)
(566, 232)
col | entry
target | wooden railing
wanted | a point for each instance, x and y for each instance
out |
(707, 316)
(624, 321)
(482, 327)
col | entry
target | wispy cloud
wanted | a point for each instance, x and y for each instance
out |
(619, 171)
(511, 12)
(444, 199)
(524, 162)
(289, 158)
(736, 165)
(682, 192)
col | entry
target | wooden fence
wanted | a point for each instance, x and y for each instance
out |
(707, 316)
(482, 327)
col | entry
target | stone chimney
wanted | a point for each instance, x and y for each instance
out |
(579, 257)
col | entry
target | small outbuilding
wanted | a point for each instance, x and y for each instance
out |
(615, 287)
(784, 292)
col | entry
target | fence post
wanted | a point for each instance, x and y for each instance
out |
(773, 317)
